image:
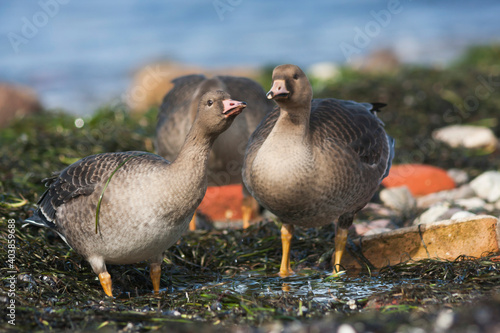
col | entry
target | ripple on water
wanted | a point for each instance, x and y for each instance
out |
(313, 286)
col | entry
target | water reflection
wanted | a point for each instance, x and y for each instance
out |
(316, 286)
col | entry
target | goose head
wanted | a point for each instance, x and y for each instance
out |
(216, 111)
(291, 87)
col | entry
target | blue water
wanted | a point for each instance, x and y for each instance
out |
(81, 54)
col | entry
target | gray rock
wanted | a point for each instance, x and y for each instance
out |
(487, 186)
(432, 214)
(399, 199)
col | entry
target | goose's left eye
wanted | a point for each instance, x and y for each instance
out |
(296, 76)
(210, 102)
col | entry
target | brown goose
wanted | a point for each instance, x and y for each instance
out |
(147, 202)
(178, 111)
(313, 161)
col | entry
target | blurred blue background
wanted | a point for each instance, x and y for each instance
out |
(80, 54)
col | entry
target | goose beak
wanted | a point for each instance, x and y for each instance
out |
(278, 90)
(232, 107)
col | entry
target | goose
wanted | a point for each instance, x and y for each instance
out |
(178, 111)
(126, 207)
(314, 161)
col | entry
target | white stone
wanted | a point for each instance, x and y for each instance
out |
(462, 215)
(432, 214)
(346, 328)
(487, 186)
(471, 203)
(467, 136)
(444, 320)
(399, 199)
(464, 191)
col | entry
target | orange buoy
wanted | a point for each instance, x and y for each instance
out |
(420, 179)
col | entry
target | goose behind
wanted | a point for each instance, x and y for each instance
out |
(312, 162)
(178, 111)
(143, 202)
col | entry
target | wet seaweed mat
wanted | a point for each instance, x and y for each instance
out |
(226, 278)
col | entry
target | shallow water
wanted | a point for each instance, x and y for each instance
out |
(312, 286)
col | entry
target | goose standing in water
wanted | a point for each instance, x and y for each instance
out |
(314, 161)
(122, 208)
(178, 111)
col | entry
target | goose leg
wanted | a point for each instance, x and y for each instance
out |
(99, 267)
(155, 273)
(286, 239)
(105, 280)
(248, 207)
(340, 241)
(343, 224)
(192, 224)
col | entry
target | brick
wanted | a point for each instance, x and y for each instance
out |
(474, 236)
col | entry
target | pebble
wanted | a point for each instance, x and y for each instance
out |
(471, 203)
(472, 137)
(432, 214)
(463, 192)
(444, 320)
(346, 328)
(399, 199)
(460, 215)
(487, 185)
(460, 177)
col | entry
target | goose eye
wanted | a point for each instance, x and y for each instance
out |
(296, 76)
(210, 102)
